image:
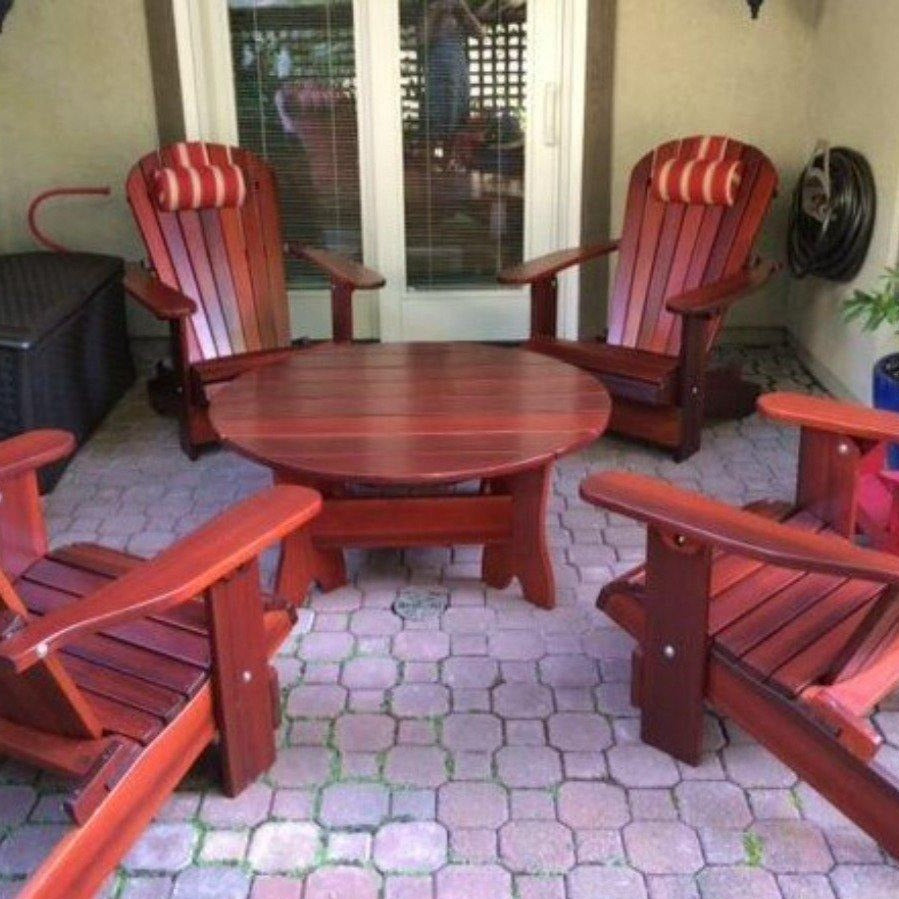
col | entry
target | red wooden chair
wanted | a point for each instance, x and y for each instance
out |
(682, 262)
(773, 615)
(116, 673)
(209, 218)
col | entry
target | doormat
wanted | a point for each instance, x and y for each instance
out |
(420, 603)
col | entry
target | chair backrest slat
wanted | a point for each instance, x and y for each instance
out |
(668, 248)
(230, 261)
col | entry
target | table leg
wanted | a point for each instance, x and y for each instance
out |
(302, 563)
(526, 555)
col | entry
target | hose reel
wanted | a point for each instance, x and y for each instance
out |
(832, 214)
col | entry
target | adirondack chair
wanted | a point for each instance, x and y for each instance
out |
(116, 673)
(773, 615)
(684, 257)
(209, 218)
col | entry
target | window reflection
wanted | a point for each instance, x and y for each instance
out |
(463, 79)
(295, 85)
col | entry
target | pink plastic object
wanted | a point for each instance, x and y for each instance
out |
(36, 232)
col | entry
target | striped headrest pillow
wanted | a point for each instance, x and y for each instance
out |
(199, 187)
(713, 182)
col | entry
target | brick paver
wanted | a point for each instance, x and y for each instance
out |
(489, 752)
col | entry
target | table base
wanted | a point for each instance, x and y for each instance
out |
(508, 518)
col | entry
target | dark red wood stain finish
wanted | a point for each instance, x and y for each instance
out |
(419, 415)
(676, 263)
(791, 628)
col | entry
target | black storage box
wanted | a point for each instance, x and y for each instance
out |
(64, 354)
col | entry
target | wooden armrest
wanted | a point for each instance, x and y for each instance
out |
(551, 264)
(710, 299)
(339, 268)
(721, 526)
(164, 302)
(176, 575)
(33, 450)
(210, 371)
(833, 416)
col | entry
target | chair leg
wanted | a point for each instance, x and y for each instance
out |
(673, 657)
(692, 387)
(241, 680)
(691, 433)
(728, 395)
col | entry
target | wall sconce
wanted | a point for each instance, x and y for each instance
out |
(754, 6)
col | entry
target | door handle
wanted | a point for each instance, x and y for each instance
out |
(551, 113)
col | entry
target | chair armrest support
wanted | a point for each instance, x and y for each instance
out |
(548, 266)
(33, 450)
(707, 522)
(339, 269)
(164, 302)
(712, 299)
(832, 416)
(175, 576)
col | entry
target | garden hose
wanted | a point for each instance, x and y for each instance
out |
(832, 215)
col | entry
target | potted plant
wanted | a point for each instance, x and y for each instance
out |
(873, 309)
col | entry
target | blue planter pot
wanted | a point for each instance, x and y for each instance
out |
(886, 395)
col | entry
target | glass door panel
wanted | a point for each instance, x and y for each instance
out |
(295, 89)
(463, 70)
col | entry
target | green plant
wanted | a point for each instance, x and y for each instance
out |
(876, 307)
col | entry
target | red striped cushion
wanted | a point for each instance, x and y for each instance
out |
(199, 187)
(713, 182)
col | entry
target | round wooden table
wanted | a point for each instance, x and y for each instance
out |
(412, 416)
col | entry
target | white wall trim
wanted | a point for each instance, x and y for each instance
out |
(571, 169)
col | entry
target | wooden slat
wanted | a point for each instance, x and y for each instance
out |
(146, 664)
(669, 248)
(194, 238)
(168, 641)
(277, 310)
(174, 251)
(81, 579)
(637, 191)
(806, 637)
(257, 261)
(230, 261)
(147, 219)
(775, 612)
(120, 719)
(124, 689)
(434, 413)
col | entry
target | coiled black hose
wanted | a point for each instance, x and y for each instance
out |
(832, 215)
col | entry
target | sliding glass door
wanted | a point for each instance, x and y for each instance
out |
(437, 140)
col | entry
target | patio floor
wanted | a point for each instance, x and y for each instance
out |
(488, 751)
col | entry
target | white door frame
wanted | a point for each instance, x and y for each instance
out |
(553, 154)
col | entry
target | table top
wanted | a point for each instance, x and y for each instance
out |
(410, 414)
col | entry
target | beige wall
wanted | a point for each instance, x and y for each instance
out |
(76, 108)
(704, 66)
(853, 100)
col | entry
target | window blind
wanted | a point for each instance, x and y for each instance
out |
(295, 87)
(463, 70)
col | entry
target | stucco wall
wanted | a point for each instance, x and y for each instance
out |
(852, 99)
(76, 108)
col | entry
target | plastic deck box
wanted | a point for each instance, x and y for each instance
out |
(64, 353)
